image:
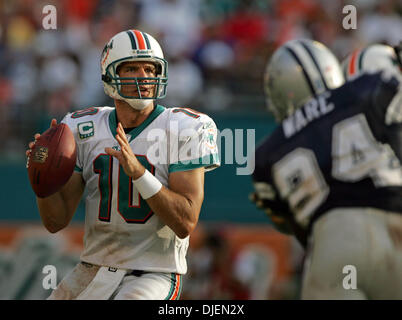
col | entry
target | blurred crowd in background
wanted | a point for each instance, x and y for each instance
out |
(216, 49)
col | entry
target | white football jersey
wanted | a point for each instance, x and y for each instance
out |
(121, 230)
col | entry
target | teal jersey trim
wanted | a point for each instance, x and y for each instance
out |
(136, 131)
(205, 161)
(172, 286)
(77, 169)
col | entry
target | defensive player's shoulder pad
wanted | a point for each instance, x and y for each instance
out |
(371, 82)
(388, 81)
(81, 121)
(378, 89)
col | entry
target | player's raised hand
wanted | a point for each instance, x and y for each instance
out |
(132, 167)
(31, 144)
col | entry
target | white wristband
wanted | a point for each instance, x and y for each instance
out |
(147, 185)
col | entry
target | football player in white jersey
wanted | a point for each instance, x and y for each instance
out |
(373, 58)
(142, 166)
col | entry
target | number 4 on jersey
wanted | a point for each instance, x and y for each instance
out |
(357, 154)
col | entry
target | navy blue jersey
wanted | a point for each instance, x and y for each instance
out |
(338, 150)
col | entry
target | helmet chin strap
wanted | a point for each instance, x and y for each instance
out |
(138, 104)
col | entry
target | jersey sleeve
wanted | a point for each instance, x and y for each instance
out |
(387, 98)
(394, 108)
(265, 195)
(193, 141)
(73, 127)
(393, 120)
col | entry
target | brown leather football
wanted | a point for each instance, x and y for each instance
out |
(52, 160)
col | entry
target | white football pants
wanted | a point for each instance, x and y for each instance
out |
(354, 253)
(90, 282)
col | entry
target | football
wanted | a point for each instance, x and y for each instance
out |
(52, 160)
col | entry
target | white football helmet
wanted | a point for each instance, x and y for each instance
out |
(298, 71)
(133, 45)
(373, 58)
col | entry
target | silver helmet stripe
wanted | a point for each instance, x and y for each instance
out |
(310, 68)
(315, 63)
(296, 58)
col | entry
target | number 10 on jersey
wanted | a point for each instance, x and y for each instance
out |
(130, 205)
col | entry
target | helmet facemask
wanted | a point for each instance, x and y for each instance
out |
(159, 82)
